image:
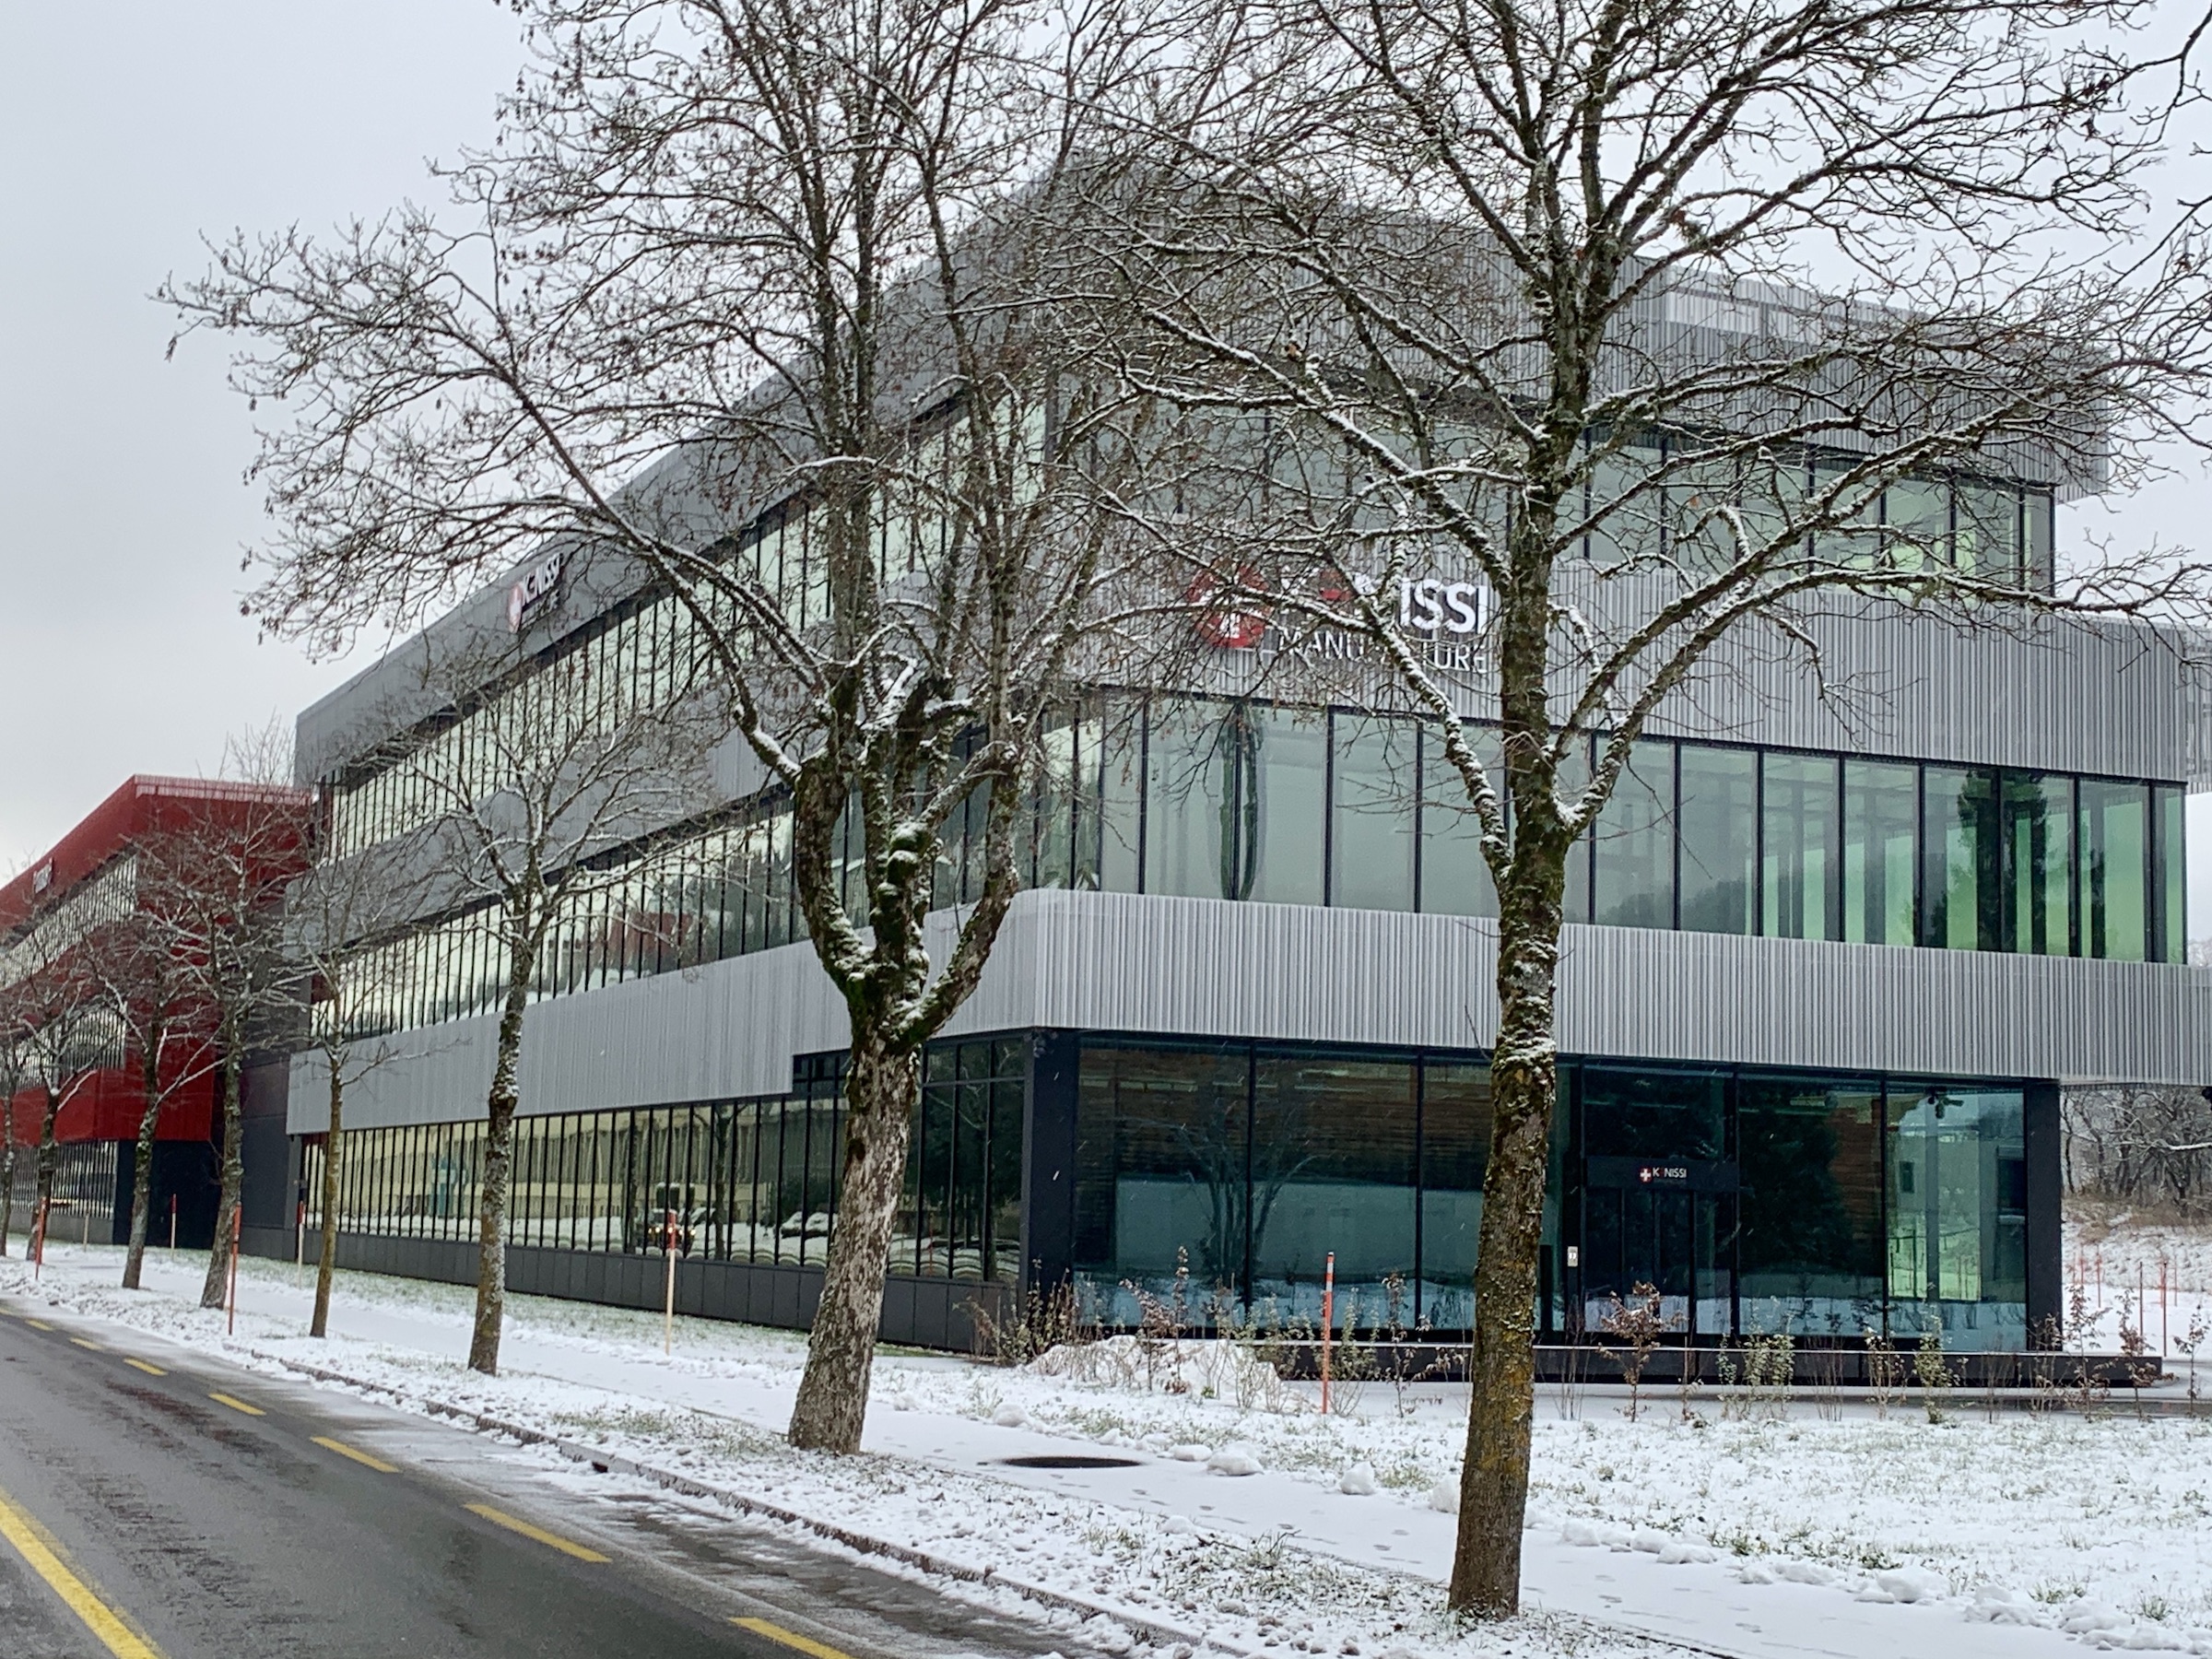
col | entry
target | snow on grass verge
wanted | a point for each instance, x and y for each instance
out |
(1225, 1590)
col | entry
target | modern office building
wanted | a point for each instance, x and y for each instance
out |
(61, 911)
(1829, 961)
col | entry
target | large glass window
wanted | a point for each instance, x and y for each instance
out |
(1881, 820)
(1372, 821)
(2115, 909)
(2039, 841)
(1799, 834)
(1635, 852)
(1962, 852)
(1162, 1144)
(1958, 1178)
(1456, 877)
(1719, 820)
(1811, 1207)
(1190, 803)
(1455, 1149)
(1658, 1195)
(1332, 1171)
(2170, 900)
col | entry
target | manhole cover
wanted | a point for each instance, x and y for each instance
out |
(1066, 1459)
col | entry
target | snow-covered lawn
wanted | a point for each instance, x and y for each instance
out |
(1742, 1528)
(2115, 1260)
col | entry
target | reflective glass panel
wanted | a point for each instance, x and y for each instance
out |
(1800, 832)
(1811, 1207)
(1987, 540)
(1962, 852)
(1189, 802)
(1282, 789)
(1719, 818)
(1456, 1146)
(1372, 815)
(2115, 911)
(2170, 903)
(1635, 853)
(1958, 1178)
(1332, 1171)
(2039, 835)
(1455, 878)
(1881, 850)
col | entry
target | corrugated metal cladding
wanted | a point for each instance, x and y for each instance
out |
(1195, 967)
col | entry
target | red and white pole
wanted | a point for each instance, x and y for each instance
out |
(299, 1235)
(173, 1222)
(668, 1307)
(1328, 1323)
(38, 1239)
(231, 1323)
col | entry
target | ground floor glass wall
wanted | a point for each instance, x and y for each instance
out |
(743, 1181)
(1223, 1177)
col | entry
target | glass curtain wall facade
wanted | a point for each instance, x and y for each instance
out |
(740, 1181)
(1218, 1178)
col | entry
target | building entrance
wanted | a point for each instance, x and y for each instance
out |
(1668, 1225)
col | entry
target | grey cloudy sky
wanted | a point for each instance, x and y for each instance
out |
(126, 129)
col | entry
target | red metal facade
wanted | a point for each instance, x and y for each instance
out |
(107, 1105)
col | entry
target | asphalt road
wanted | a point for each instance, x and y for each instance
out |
(210, 1513)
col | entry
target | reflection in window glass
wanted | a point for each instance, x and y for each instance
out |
(2039, 551)
(1916, 514)
(1332, 1170)
(1635, 855)
(1957, 1179)
(1572, 778)
(2170, 903)
(1671, 1233)
(2038, 838)
(1189, 799)
(1623, 524)
(1371, 823)
(1455, 878)
(1456, 1146)
(1799, 832)
(1882, 819)
(1719, 818)
(1962, 850)
(1161, 1174)
(1987, 540)
(1283, 792)
(1811, 1207)
(2116, 913)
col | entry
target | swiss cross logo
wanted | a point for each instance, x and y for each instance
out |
(1233, 624)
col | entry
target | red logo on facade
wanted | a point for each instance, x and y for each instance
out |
(1236, 624)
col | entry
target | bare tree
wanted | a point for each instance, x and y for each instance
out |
(801, 253)
(519, 785)
(147, 978)
(14, 1070)
(343, 901)
(1615, 328)
(2145, 1147)
(216, 884)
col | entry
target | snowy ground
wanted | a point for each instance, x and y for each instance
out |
(1249, 1518)
(2157, 1275)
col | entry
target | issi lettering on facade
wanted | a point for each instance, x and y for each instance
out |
(530, 594)
(1429, 604)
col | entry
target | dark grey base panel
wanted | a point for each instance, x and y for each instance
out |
(920, 1313)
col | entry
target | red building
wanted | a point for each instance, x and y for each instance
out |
(70, 905)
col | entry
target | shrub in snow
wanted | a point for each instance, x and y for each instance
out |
(1358, 1481)
(1220, 1370)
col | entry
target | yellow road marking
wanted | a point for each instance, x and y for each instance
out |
(343, 1449)
(150, 1370)
(224, 1399)
(36, 1324)
(82, 1343)
(102, 1621)
(791, 1638)
(551, 1540)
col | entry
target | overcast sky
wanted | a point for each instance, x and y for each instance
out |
(128, 129)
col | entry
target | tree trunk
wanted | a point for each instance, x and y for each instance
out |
(7, 1178)
(1493, 1489)
(142, 1173)
(881, 1086)
(491, 1204)
(326, 1256)
(49, 1157)
(214, 1292)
